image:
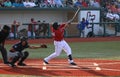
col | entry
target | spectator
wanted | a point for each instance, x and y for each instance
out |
(78, 3)
(32, 28)
(95, 4)
(29, 3)
(81, 27)
(37, 33)
(7, 3)
(58, 3)
(14, 29)
(84, 4)
(39, 2)
(69, 3)
(116, 16)
(12, 1)
(118, 9)
(18, 3)
(50, 3)
(74, 1)
(32, 3)
(109, 15)
(44, 29)
(113, 7)
(1, 3)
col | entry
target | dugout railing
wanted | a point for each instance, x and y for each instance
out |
(104, 29)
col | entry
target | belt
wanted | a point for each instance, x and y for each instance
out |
(59, 40)
(12, 51)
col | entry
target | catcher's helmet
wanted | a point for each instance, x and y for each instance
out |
(6, 28)
(55, 25)
(23, 38)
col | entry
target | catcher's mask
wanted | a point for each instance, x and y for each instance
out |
(6, 28)
(55, 25)
(23, 39)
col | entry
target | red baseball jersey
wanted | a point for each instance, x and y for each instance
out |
(58, 34)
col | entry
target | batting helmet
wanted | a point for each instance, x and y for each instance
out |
(55, 25)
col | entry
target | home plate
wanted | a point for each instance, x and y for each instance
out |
(44, 67)
(98, 68)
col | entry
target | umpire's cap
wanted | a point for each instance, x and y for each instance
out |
(23, 38)
(55, 25)
(6, 28)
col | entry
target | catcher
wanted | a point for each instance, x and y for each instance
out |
(16, 53)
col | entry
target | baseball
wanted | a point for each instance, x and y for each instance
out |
(44, 68)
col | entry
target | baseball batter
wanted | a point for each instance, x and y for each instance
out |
(59, 43)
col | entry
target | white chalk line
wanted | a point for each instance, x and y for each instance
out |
(71, 67)
(62, 63)
(109, 63)
(108, 69)
(88, 66)
(95, 66)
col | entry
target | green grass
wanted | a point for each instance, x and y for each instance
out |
(104, 50)
(82, 50)
(49, 76)
(96, 50)
(20, 76)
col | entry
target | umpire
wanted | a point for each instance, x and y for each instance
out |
(4, 33)
(16, 53)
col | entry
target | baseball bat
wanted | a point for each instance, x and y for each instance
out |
(75, 14)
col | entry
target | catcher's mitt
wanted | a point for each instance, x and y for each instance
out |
(43, 46)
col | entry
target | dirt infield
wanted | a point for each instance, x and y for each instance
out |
(95, 39)
(60, 67)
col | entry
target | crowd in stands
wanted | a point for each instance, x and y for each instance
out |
(112, 4)
(107, 5)
(110, 8)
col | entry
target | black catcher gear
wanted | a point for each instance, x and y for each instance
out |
(23, 38)
(6, 28)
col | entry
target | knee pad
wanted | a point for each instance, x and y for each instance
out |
(17, 57)
(19, 54)
(26, 54)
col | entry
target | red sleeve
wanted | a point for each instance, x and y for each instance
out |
(62, 25)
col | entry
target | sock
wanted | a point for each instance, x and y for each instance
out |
(70, 57)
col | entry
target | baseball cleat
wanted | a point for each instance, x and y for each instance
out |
(11, 65)
(46, 62)
(21, 64)
(73, 63)
(6, 62)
